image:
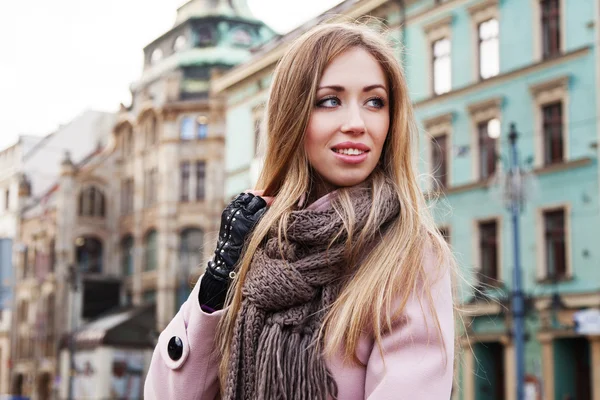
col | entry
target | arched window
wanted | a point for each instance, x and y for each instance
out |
(127, 255)
(89, 254)
(91, 203)
(151, 251)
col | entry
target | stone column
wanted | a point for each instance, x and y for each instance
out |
(546, 340)
(469, 371)
(510, 384)
(595, 378)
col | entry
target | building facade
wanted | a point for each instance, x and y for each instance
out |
(474, 67)
(11, 168)
(127, 223)
(170, 143)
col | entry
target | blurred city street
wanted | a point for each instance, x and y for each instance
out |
(115, 168)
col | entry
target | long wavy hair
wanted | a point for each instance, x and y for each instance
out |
(393, 269)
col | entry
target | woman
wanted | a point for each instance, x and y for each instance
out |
(343, 289)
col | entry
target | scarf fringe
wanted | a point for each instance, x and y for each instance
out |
(285, 358)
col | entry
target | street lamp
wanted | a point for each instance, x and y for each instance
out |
(517, 298)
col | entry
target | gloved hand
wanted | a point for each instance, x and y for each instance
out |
(237, 221)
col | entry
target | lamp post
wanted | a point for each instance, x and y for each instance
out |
(517, 299)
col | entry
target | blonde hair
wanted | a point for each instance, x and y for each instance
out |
(393, 269)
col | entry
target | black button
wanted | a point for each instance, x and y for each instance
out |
(175, 348)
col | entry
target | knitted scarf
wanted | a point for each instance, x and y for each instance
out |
(273, 352)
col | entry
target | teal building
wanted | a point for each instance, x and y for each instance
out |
(474, 67)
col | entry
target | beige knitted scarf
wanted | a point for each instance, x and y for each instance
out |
(273, 352)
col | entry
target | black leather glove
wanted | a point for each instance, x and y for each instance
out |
(237, 220)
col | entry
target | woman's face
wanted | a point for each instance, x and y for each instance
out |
(350, 120)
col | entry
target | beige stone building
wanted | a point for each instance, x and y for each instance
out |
(134, 221)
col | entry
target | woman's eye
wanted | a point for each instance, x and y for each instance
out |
(329, 102)
(376, 102)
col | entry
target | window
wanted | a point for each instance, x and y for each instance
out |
(204, 36)
(200, 180)
(241, 37)
(89, 255)
(151, 187)
(550, 14)
(552, 115)
(151, 251)
(487, 149)
(551, 105)
(52, 248)
(486, 127)
(439, 34)
(127, 255)
(488, 252)
(486, 33)
(202, 128)
(180, 43)
(555, 244)
(7, 199)
(187, 128)
(193, 128)
(26, 271)
(489, 49)
(441, 66)
(185, 181)
(127, 196)
(156, 56)
(91, 202)
(439, 151)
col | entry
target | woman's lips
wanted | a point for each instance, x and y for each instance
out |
(350, 159)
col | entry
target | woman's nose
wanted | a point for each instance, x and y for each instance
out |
(354, 123)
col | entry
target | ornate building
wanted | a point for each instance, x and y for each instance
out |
(171, 149)
(133, 223)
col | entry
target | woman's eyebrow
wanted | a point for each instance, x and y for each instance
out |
(338, 88)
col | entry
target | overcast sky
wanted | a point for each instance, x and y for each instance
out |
(60, 57)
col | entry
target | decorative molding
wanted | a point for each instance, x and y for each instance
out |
(443, 119)
(438, 24)
(482, 6)
(481, 106)
(562, 82)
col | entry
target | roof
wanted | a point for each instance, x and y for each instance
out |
(133, 327)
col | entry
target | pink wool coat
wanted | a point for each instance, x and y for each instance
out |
(416, 366)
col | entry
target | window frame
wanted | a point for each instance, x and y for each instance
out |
(482, 12)
(537, 27)
(480, 112)
(550, 124)
(151, 233)
(435, 31)
(185, 173)
(437, 126)
(542, 264)
(477, 251)
(200, 166)
(544, 93)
